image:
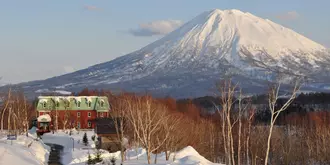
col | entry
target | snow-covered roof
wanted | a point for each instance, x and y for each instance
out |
(89, 99)
(57, 99)
(44, 118)
(43, 100)
(78, 99)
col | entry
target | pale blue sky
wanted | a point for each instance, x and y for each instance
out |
(45, 38)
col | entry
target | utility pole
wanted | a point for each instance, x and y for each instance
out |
(72, 143)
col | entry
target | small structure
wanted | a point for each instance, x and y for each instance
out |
(44, 122)
(107, 134)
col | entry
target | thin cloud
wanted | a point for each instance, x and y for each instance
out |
(160, 27)
(92, 8)
(288, 16)
(68, 69)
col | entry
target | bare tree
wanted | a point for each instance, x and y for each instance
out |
(67, 114)
(26, 115)
(5, 108)
(20, 114)
(147, 118)
(227, 91)
(66, 118)
(243, 105)
(251, 116)
(275, 111)
(171, 144)
(118, 114)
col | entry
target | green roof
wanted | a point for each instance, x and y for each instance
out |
(48, 103)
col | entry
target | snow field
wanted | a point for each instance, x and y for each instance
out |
(23, 151)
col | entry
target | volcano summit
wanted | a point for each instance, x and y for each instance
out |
(188, 61)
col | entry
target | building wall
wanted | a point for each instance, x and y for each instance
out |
(74, 118)
(109, 142)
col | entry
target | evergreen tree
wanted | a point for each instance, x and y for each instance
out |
(90, 160)
(98, 156)
(85, 139)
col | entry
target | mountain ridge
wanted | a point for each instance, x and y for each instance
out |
(211, 46)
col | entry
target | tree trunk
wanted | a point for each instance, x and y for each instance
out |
(136, 148)
(9, 115)
(239, 141)
(2, 117)
(5, 108)
(27, 128)
(122, 141)
(269, 138)
(15, 127)
(167, 155)
(148, 156)
(122, 152)
(248, 144)
(156, 158)
(232, 147)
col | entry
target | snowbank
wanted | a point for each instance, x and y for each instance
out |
(76, 153)
(189, 156)
(23, 151)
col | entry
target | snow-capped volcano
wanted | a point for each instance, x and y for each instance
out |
(189, 60)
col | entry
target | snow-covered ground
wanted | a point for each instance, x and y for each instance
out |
(23, 151)
(76, 153)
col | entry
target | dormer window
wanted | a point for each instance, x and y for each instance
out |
(89, 104)
(57, 104)
(44, 104)
(78, 104)
(102, 103)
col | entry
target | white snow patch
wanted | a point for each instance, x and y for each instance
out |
(63, 92)
(44, 118)
(134, 156)
(23, 151)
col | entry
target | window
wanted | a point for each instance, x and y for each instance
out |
(89, 114)
(89, 124)
(78, 124)
(78, 104)
(78, 114)
(102, 103)
(44, 104)
(57, 104)
(89, 104)
(101, 114)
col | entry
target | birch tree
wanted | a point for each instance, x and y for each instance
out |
(275, 111)
(147, 117)
(171, 127)
(21, 115)
(227, 91)
(5, 108)
(67, 113)
(243, 105)
(119, 106)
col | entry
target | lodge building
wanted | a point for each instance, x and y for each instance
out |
(71, 111)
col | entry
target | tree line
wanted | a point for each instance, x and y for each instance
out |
(236, 132)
